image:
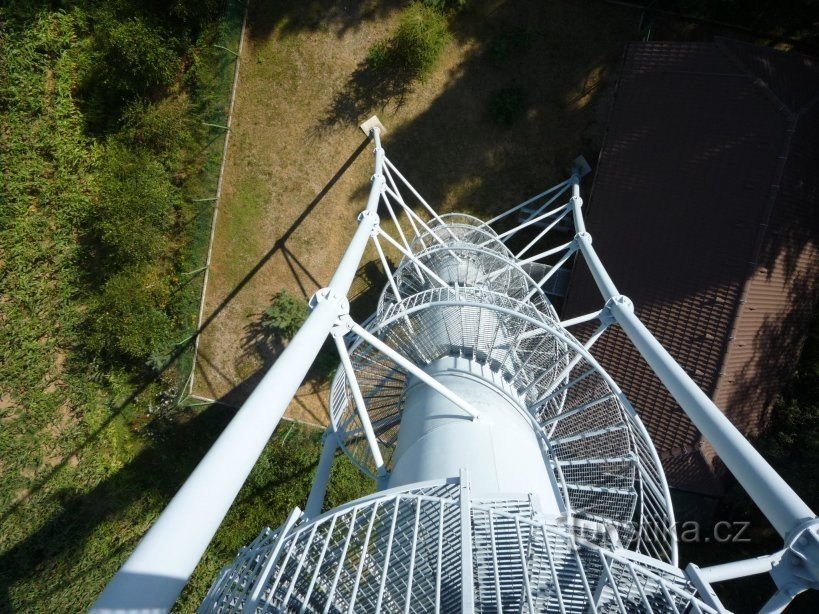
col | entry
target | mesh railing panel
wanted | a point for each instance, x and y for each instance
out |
(582, 417)
(402, 552)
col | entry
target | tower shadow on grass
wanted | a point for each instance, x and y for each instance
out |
(144, 485)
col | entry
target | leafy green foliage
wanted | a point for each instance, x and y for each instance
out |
(136, 206)
(445, 6)
(286, 315)
(507, 105)
(94, 152)
(280, 480)
(132, 58)
(411, 53)
(378, 57)
(164, 128)
(127, 59)
(127, 318)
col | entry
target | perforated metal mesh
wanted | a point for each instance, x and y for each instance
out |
(403, 552)
(601, 454)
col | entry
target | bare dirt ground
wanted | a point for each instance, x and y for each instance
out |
(297, 169)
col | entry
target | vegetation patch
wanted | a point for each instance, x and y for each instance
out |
(106, 164)
(280, 481)
(285, 316)
(507, 105)
(412, 51)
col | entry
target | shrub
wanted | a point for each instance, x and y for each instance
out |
(507, 105)
(286, 315)
(378, 57)
(445, 6)
(127, 318)
(133, 58)
(127, 59)
(164, 128)
(417, 44)
(136, 207)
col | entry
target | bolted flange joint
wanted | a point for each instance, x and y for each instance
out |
(326, 295)
(583, 237)
(798, 569)
(368, 217)
(621, 301)
(343, 325)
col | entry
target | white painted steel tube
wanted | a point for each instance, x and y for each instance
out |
(775, 498)
(347, 268)
(599, 274)
(157, 571)
(740, 569)
(413, 369)
(361, 407)
(328, 453)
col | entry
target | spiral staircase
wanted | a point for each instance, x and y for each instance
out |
(512, 474)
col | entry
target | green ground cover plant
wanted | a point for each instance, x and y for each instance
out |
(412, 51)
(286, 315)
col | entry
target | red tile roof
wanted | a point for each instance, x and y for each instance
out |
(704, 211)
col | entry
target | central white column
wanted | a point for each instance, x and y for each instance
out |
(500, 450)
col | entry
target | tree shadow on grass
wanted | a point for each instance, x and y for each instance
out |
(289, 17)
(136, 492)
(367, 89)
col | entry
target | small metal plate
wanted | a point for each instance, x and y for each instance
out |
(371, 123)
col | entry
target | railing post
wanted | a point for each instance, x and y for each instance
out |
(319, 489)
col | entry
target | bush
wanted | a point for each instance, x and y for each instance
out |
(507, 105)
(164, 128)
(417, 44)
(286, 315)
(136, 207)
(127, 319)
(127, 59)
(378, 57)
(445, 6)
(134, 58)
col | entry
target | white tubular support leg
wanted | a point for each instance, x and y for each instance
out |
(361, 407)
(157, 571)
(315, 500)
(780, 504)
(778, 501)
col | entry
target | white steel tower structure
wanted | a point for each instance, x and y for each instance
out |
(512, 472)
